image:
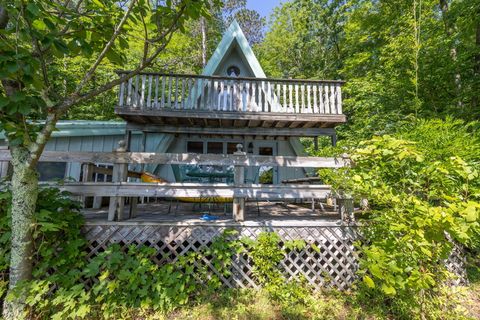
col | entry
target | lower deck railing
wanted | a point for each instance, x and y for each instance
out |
(120, 188)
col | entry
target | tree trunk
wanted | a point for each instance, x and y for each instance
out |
(450, 30)
(24, 199)
(203, 28)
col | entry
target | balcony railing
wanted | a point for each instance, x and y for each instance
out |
(156, 91)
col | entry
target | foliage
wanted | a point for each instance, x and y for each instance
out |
(401, 60)
(124, 283)
(58, 244)
(304, 40)
(417, 205)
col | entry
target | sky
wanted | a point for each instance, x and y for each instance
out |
(264, 7)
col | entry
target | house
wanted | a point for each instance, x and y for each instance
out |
(231, 103)
(183, 129)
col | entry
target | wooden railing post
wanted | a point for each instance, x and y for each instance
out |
(238, 180)
(87, 176)
(120, 170)
(345, 208)
(3, 164)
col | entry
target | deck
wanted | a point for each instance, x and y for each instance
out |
(181, 214)
(197, 104)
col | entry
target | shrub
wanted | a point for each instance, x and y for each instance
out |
(416, 206)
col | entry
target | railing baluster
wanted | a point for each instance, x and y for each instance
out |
(121, 94)
(339, 99)
(332, 99)
(322, 100)
(254, 96)
(129, 92)
(149, 95)
(297, 105)
(136, 96)
(315, 105)
(302, 94)
(216, 95)
(183, 94)
(309, 99)
(170, 92)
(261, 97)
(223, 94)
(163, 91)
(327, 99)
(269, 98)
(211, 92)
(279, 92)
(155, 103)
(176, 93)
(142, 92)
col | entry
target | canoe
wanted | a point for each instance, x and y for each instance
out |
(150, 178)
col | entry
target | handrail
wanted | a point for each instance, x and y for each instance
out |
(187, 158)
(179, 75)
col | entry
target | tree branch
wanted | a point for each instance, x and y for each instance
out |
(107, 47)
(54, 114)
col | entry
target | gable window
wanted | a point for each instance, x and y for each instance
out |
(233, 71)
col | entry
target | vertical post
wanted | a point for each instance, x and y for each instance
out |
(315, 143)
(334, 139)
(87, 176)
(345, 207)
(120, 171)
(3, 165)
(238, 180)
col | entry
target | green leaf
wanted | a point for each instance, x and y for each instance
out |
(368, 281)
(470, 214)
(388, 289)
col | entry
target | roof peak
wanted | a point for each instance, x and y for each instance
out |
(233, 34)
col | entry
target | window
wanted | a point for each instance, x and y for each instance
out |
(233, 71)
(266, 173)
(215, 147)
(232, 147)
(195, 147)
(51, 170)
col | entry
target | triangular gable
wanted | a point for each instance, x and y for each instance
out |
(233, 37)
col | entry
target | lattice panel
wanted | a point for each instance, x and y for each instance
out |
(329, 258)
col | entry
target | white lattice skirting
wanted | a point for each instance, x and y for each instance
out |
(329, 258)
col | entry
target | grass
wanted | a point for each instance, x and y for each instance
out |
(460, 303)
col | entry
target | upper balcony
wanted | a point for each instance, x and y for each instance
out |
(215, 103)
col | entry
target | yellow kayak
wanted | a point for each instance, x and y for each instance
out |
(150, 178)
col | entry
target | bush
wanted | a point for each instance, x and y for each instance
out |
(417, 205)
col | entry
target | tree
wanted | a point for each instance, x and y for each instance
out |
(305, 40)
(39, 39)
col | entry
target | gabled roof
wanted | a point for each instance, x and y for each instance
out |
(233, 35)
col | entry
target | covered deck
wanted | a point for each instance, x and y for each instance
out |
(261, 213)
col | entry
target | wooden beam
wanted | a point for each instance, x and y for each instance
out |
(239, 131)
(109, 171)
(187, 158)
(229, 115)
(195, 190)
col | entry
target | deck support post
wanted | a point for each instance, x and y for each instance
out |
(120, 170)
(334, 139)
(239, 179)
(87, 176)
(345, 208)
(3, 165)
